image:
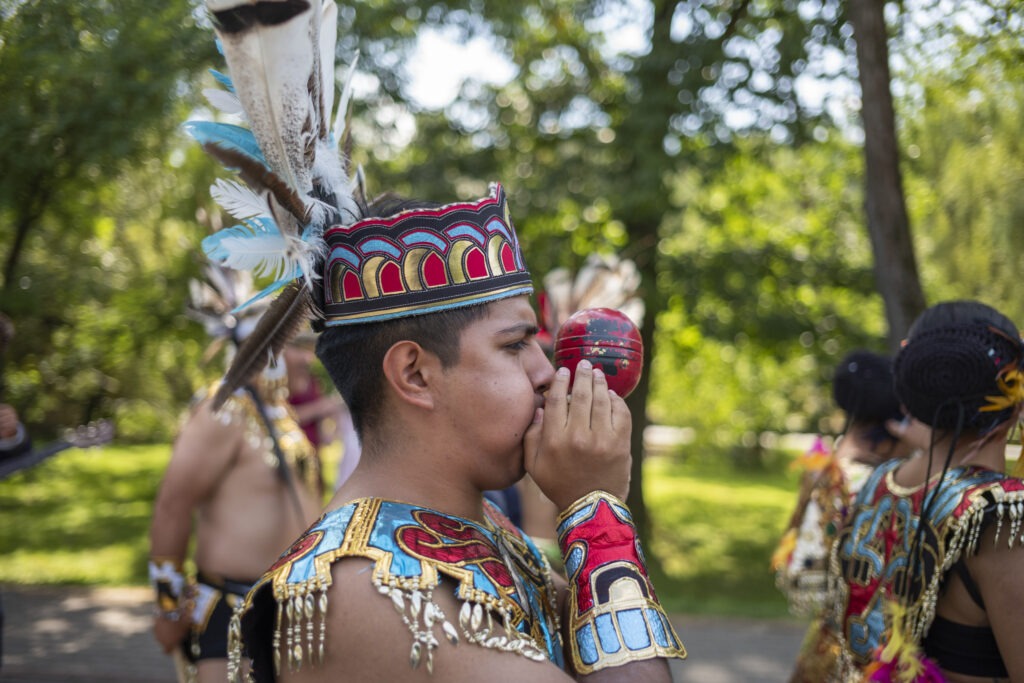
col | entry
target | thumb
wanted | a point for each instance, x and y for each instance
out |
(531, 440)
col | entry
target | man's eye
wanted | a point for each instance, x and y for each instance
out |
(519, 345)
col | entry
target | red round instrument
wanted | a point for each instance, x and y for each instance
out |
(608, 339)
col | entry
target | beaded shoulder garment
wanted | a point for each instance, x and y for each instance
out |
(499, 573)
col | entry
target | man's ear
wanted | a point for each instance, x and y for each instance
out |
(409, 370)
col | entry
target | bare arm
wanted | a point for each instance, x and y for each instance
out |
(202, 453)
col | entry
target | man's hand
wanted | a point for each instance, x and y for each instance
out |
(8, 422)
(170, 634)
(580, 444)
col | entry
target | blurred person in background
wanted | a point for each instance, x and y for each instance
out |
(927, 574)
(243, 480)
(873, 429)
(323, 415)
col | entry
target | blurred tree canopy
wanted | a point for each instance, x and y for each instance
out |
(96, 220)
(714, 143)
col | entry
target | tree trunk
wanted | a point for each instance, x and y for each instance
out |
(28, 212)
(21, 230)
(641, 207)
(637, 401)
(895, 265)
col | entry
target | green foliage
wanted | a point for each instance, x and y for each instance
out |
(965, 169)
(98, 226)
(108, 336)
(768, 278)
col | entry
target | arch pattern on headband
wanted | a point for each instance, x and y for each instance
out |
(423, 260)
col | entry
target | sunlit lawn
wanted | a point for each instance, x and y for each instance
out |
(82, 517)
(714, 529)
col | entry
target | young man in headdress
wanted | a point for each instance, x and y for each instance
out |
(242, 482)
(438, 358)
(428, 332)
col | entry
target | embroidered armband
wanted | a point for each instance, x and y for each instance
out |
(614, 615)
(169, 584)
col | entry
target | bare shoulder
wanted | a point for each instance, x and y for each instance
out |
(998, 567)
(205, 429)
(368, 638)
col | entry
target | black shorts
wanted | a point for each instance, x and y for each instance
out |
(209, 636)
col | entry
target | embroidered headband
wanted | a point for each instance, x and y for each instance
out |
(422, 261)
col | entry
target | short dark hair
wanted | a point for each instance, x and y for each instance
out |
(353, 355)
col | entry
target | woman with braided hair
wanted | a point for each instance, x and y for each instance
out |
(874, 431)
(925, 576)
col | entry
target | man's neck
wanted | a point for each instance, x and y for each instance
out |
(406, 480)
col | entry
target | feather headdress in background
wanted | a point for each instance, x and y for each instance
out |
(215, 302)
(602, 282)
(293, 180)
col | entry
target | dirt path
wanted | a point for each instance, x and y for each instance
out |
(102, 635)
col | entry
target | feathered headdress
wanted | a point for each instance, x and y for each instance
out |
(302, 211)
(280, 57)
(216, 302)
(602, 282)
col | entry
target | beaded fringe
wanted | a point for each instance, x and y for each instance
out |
(301, 640)
(421, 614)
(1009, 512)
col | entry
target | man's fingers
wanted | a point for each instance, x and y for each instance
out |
(556, 404)
(582, 393)
(621, 417)
(600, 409)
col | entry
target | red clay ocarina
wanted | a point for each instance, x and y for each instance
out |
(609, 340)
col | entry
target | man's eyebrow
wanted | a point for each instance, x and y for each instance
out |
(521, 328)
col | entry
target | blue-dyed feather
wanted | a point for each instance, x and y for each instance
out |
(226, 135)
(269, 289)
(257, 245)
(223, 79)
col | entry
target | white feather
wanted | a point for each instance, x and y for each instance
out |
(328, 41)
(224, 101)
(272, 255)
(338, 129)
(271, 68)
(239, 200)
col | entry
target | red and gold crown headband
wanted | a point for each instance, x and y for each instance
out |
(422, 261)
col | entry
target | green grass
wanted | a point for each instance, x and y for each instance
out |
(713, 532)
(82, 517)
